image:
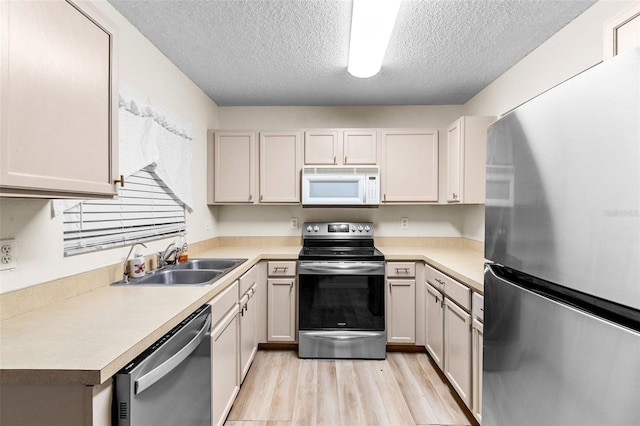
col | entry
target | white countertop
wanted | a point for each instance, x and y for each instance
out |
(89, 337)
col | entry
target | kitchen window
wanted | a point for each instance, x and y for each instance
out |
(146, 209)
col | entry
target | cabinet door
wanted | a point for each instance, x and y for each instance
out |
(280, 167)
(224, 369)
(281, 310)
(455, 162)
(360, 147)
(321, 147)
(434, 338)
(248, 331)
(58, 120)
(476, 365)
(409, 165)
(233, 167)
(457, 349)
(401, 311)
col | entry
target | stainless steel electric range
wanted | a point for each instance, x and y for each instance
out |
(341, 310)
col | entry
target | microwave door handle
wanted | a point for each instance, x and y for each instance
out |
(148, 380)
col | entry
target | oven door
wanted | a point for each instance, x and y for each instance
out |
(341, 312)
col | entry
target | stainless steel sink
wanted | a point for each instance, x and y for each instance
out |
(224, 264)
(193, 272)
(180, 277)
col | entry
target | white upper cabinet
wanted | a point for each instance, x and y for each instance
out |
(280, 166)
(622, 33)
(58, 118)
(409, 169)
(328, 147)
(466, 159)
(232, 166)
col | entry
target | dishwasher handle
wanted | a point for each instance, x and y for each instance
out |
(169, 365)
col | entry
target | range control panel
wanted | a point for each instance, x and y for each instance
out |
(338, 230)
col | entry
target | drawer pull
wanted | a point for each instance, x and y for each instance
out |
(280, 268)
(440, 281)
(406, 270)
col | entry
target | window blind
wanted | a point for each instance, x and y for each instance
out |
(145, 209)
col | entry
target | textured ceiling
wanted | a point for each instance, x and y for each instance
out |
(294, 52)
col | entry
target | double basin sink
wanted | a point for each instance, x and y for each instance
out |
(193, 272)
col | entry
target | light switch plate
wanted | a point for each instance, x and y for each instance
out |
(404, 222)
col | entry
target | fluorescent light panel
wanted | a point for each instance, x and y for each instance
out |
(372, 22)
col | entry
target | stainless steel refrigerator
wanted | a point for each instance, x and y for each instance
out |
(562, 289)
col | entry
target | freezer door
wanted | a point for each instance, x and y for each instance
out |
(563, 184)
(546, 363)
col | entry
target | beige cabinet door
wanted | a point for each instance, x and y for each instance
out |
(457, 349)
(224, 369)
(455, 162)
(466, 159)
(280, 166)
(234, 168)
(476, 366)
(248, 331)
(409, 171)
(360, 147)
(322, 147)
(281, 310)
(622, 33)
(58, 120)
(401, 311)
(434, 324)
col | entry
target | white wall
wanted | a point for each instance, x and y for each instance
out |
(38, 236)
(573, 49)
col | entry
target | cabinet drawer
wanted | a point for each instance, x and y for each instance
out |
(436, 278)
(401, 269)
(223, 303)
(282, 269)
(248, 280)
(477, 306)
(459, 293)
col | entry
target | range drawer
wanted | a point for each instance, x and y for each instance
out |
(281, 269)
(401, 269)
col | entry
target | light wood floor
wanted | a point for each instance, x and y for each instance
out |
(404, 389)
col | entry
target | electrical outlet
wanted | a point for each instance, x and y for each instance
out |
(294, 223)
(404, 222)
(7, 254)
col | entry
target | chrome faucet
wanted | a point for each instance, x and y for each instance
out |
(166, 254)
(125, 272)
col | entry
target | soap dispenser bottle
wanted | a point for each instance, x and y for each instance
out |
(136, 265)
(184, 251)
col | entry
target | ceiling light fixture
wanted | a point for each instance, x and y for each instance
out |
(372, 22)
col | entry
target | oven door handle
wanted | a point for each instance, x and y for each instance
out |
(341, 268)
(174, 361)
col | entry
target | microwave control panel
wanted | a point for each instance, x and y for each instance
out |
(372, 189)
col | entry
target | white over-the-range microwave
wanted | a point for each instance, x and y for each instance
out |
(341, 186)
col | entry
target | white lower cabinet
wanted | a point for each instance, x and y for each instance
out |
(401, 302)
(281, 302)
(434, 327)
(448, 332)
(457, 349)
(225, 350)
(477, 334)
(248, 320)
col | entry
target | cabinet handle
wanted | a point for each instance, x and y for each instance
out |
(455, 196)
(384, 197)
(277, 268)
(261, 197)
(334, 159)
(250, 197)
(345, 159)
(120, 181)
(440, 281)
(406, 270)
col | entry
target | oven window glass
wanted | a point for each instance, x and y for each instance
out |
(353, 302)
(337, 189)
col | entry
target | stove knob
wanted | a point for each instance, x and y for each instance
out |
(309, 228)
(367, 228)
(360, 228)
(316, 228)
(353, 228)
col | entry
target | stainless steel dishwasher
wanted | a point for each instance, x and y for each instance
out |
(170, 382)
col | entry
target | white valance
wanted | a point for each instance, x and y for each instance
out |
(150, 135)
